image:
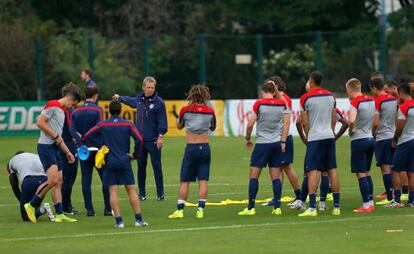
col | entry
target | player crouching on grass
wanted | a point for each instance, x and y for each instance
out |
(273, 121)
(361, 120)
(115, 133)
(198, 119)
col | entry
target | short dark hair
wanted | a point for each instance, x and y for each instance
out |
(391, 82)
(281, 84)
(377, 83)
(87, 72)
(317, 77)
(72, 90)
(90, 92)
(377, 75)
(269, 87)
(407, 79)
(115, 108)
(404, 88)
(19, 152)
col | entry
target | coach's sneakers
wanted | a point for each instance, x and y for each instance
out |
(247, 212)
(404, 197)
(140, 223)
(336, 211)
(47, 211)
(31, 212)
(119, 225)
(322, 206)
(394, 205)
(108, 212)
(142, 197)
(277, 211)
(310, 212)
(199, 214)
(63, 218)
(385, 201)
(178, 214)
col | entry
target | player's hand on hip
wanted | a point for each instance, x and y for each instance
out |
(159, 142)
(115, 97)
(70, 157)
(394, 144)
(283, 147)
(249, 145)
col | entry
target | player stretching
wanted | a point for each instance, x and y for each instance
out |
(198, 119)
(271, 115)
(361, 118)
(317, 114)
(50, 123)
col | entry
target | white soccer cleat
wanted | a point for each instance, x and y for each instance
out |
(295, 203)
(120, 225)
(47, 211)
(322, 206)
(140, 223)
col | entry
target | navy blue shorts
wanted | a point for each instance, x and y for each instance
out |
(49, 155)
(118, 177)
(320, 155)
(404, 157)
(28, 190)
(287, 156)
(196, 163)
(384, 152)
(266, 155)
(362, 151)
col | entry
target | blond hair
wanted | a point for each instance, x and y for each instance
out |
(354, 84)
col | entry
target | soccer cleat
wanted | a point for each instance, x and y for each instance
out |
(295, 203)
(90, 213)
(277, 211)
(108, 212)
(30, 211)
(322, 207)
(329, 197)
(161, 198)
(360, 210)
(247, 212)
(309, 213)
(140, 223)
(370, 209)
(336, 211)
(394, 205)
(270, 203)
(409, 205)
(120, 225)
(298, 205)
(63, 218)
(404, 197)
(384, 202)
(48, 212)
(286, 199)
(178, 214)
(200, 214)
(381, 196)
(142, 197)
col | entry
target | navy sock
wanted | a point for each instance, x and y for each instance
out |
(297, 194)
(58, 208)
(36, 201)
(405, 189)
(329, 189)
(324, 188)
(397, 195)
(253, 189)
(118, 220)
(364, 189)
(336, 198)
(411, 197)
(387, 179)
(38, 213)
(312, 200)
(370, 188)
(138, 217)
(277, 192)
(305, 189)
(201, 203)
(180, 204)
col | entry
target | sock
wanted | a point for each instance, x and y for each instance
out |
(118, 220)
(387, 179)
(277, 192)
(180, 204)
(364, 189)
(138, 217)
(411, 197)
(324, 188)
(36, 201)
(366, 205)
(312, 200)
(58, 208)
(336, 198)
(297, 194)
(405, 189)
(38, 213)
(371, 189)
(201, 204)
(305, 189)
(397, 195)
(253, 189)
(329, 189)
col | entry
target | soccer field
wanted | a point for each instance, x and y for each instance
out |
(222, 230)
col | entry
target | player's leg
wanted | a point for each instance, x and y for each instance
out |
(135, 204)
(142, 171)
(113, 197)
(87, 172)
(105, 194)
(330, 164)
(203, 175)
(69, 176)
(399, 162)
(275, 175)
(155, 154)
(410, 189)
(323, 189)
(404, 185)
(293, 179)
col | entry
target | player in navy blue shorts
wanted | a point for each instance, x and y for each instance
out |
(115, 133)
(198, 119)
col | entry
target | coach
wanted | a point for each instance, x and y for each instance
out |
(152, 124)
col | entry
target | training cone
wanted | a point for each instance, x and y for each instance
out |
(83, 153)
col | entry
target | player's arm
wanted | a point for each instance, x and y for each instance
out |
(333, 120)
(93, 134)
(180, 120)
(43, 126)
(285, 132)
(162, 125)
(352, 118)
(213, 123)
(344, 127)
(400, 123)
(14, 181)
(128, 100)
(305, 124)
(137, 140)
(299, 128)
(375, 124)
(74, 132)
(249, 130)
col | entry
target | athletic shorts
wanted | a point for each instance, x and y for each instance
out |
(362, 151)
(196, 163)
(266, 155)
(49, 155)
(118, 177)
(287, 156)
(384, 152)
(320, 155)
(404, 157)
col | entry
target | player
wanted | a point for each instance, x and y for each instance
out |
(27, 168)
(271, 115)
(403, 140)
(386, 107)
(115, 133)
(50, 122)
(361, 119)
(152, 122)
(317, 114)
(85, 118)
(198, 119)
(86, 76)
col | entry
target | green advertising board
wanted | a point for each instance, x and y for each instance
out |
(19, 118)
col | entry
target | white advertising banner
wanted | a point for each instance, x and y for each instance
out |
(237, 113)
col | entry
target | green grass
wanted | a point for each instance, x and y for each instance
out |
(222, 230)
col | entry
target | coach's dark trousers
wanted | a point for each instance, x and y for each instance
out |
(150, 148)
(69, 172)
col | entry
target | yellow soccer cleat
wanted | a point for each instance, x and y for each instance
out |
(329, 197)
(384, 202)
(178, 214)
(309, 213)
(31, 212)
(63, 218)
(336, 211)
(277, 211)
(247, 212)
(200, 214)
(287, 199)
(404, 197)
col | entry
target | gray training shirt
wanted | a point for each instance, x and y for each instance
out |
(26, 164)
(365, 108)
(55, 120)
(386, 106)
